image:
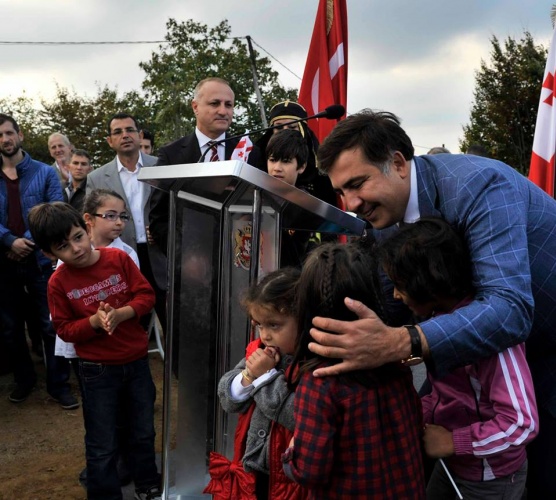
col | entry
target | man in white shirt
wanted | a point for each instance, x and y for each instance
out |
(121, 176)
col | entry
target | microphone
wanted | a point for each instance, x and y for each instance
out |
(332, 112)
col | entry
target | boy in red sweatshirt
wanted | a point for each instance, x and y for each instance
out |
(96, 299)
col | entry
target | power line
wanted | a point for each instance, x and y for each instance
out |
(84, 43)
(280, 63)
(139, 42)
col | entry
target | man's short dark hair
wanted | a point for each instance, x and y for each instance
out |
(7, 118)
(121, 116)
(286, 145)
(147, 134)
(377, 133)
(51, 223)
(81, 152)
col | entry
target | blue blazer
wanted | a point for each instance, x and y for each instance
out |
(509, 225)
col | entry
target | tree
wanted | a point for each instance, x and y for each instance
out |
(506, 101)
(27, 115)
(85, 120)
(194, 52)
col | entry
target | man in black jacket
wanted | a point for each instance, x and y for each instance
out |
(213, 105)
(79, 166)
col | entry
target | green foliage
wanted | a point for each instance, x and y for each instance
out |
(85, 120)
(193, 52)
(35, 133)
(506, 101)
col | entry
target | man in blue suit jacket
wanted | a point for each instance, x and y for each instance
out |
(509, 225)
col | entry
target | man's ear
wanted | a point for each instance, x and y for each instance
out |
(400, 165)
(109, 140)
(194, 106)
(301, 169)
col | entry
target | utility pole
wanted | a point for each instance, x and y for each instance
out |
(256, 81)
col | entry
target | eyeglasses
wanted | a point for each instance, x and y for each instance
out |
(113, 216)
(127, 130)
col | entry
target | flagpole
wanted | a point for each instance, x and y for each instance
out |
(256, 81)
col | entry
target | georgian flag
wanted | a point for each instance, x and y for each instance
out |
(325, 77)
(541, 170)
(242, 150)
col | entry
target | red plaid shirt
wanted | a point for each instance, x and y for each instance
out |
(357, 442)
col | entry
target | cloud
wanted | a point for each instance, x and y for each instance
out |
(417, 59)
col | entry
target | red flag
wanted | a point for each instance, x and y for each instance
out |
(541, 170)
(325, 77)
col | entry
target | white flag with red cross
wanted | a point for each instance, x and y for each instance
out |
(541, 170)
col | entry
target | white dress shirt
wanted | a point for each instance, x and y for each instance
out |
(412, 213)
(203, 145)
(135, 192)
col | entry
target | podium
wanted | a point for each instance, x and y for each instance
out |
(226, 220)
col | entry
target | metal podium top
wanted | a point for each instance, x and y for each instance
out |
(231, 183)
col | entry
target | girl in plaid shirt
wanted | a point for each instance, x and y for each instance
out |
(357, 436)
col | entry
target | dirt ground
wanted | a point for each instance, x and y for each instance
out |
(41, 445)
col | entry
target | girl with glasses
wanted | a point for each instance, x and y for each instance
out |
(105, 213)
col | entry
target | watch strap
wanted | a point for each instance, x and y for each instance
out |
(416, 346)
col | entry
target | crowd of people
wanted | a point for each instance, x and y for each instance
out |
(456, 271)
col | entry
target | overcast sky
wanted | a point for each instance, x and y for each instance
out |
(414, 58)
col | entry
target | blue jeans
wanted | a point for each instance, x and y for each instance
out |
(109, 391)
(17, 278)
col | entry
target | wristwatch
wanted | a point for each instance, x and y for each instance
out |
(416, 355)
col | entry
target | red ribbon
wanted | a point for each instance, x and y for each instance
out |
(229, 480)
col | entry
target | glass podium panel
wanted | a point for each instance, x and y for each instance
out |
(225, 223)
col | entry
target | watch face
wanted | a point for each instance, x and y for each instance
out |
(412, 361)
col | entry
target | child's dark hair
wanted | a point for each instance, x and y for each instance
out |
(51, 223)
(286, 145)
(96, 199)
(276, 290)
(427, 260)
(331, 273)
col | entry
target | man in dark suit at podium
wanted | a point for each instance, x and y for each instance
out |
(213, 105)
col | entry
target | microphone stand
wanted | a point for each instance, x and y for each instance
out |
(322, 114)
